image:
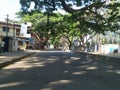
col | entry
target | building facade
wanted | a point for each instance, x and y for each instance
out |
(10, 33)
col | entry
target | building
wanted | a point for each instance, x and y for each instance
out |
(14, 39)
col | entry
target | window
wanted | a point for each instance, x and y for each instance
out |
(20, 43)
(5, 29)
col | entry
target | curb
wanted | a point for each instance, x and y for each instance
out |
(4, 64)
(103, 58)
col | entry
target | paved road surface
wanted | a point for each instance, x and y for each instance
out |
(57, 70)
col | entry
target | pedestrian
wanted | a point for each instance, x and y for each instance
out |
(2, 45)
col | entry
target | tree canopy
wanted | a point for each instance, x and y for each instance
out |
(89, 16)
(67, 5)
(94, 14)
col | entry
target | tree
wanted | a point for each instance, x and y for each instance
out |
(38, 27)
(55, 4)
(89, 12)
(42, 29)
(92, 15)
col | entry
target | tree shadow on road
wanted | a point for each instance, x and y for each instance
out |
(61, 71)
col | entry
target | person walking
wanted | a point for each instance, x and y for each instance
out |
(2, 46)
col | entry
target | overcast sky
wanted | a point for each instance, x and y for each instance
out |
(9, 7)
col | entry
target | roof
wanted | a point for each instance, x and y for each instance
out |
(10, 24)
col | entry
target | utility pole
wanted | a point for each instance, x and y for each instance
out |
(7, 25)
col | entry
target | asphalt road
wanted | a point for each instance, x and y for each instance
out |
(59, 70)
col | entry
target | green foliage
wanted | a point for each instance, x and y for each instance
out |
(104, 40)
(100, 23)
(51, 5)
(78, 23)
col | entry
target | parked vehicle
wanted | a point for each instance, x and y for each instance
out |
(22, 45)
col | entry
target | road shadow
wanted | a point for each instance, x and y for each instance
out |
(62, 71)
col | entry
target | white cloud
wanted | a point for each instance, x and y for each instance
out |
(9, 7)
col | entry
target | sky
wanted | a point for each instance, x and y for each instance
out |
(9, 7)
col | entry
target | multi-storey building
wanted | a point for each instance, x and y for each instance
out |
(11, 34)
